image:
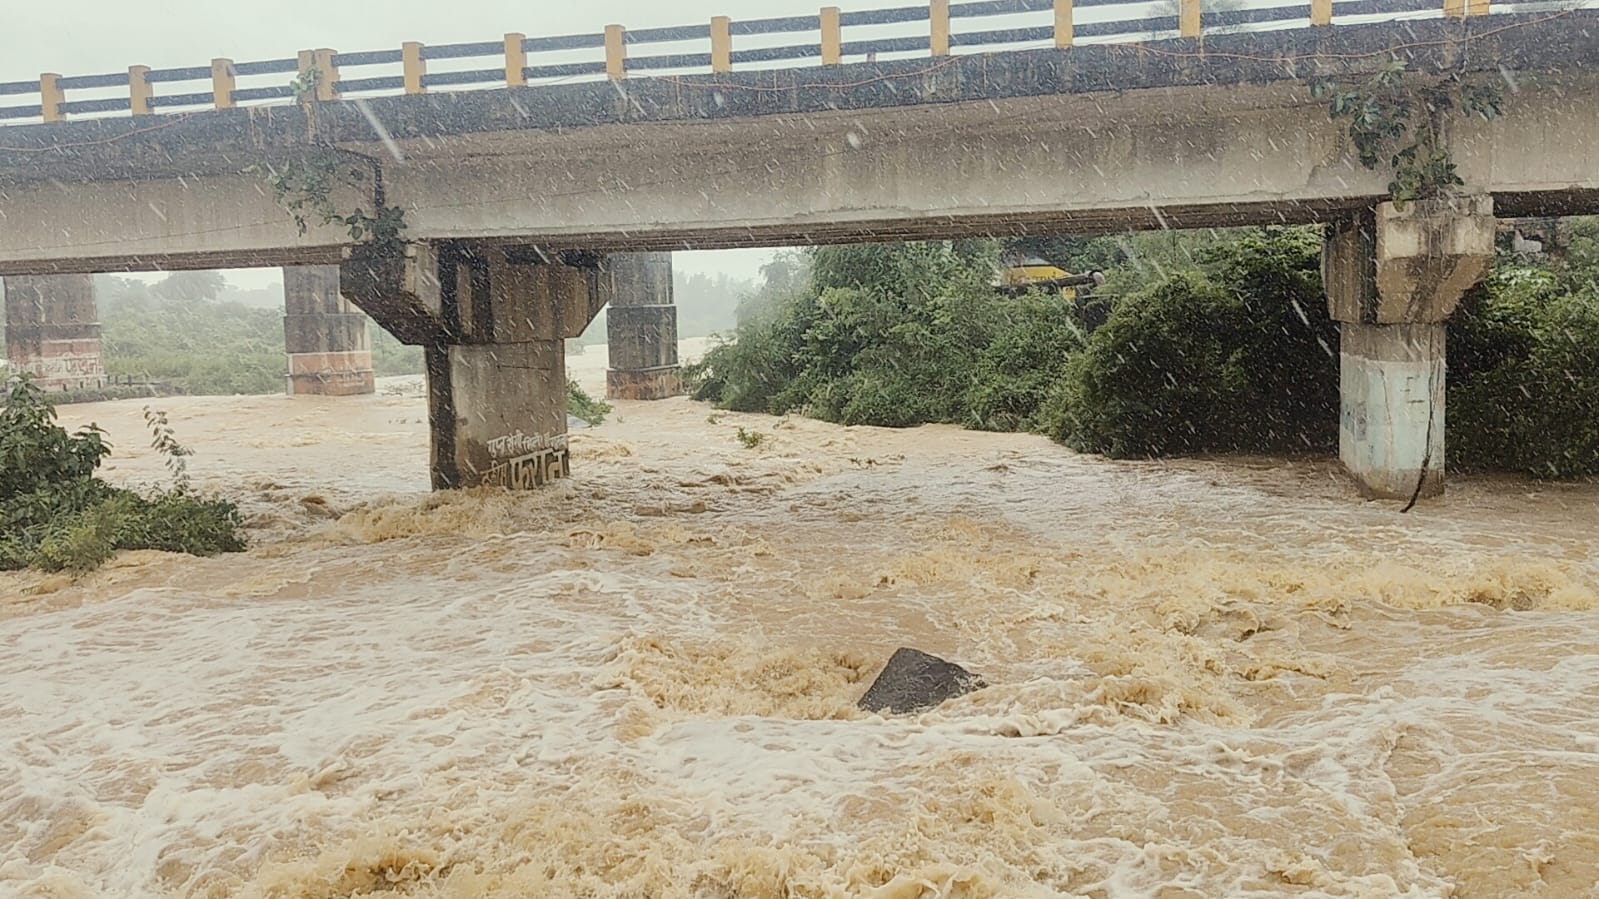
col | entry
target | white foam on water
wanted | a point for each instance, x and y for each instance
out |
(1207, 678)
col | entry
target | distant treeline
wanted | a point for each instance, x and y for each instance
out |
(184, 332)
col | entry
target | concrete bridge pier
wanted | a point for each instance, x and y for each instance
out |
(53, 331)
(494, 322)
(1393, 278)
(641, 329)
(329, 350)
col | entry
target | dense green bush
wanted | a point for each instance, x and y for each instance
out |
(1524, 375)
(55, 515)
(895, 335)
(1162, 375)
(1239, 356)
(1216, 341)
(1037, 337)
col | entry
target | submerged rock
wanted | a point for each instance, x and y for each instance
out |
(914, 681)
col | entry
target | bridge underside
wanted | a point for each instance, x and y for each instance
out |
(1574, 201)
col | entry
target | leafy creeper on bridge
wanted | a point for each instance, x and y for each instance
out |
(304, 185)
(1398, 123)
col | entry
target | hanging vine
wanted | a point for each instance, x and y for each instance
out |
(1401, 125)
(305, 185)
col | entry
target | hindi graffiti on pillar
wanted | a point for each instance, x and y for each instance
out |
(523, 461)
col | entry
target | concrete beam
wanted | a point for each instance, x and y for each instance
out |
(1387, 265)
(1429, 254)
(456, 292)
(193, 222)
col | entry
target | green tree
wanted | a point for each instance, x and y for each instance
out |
(190, 287)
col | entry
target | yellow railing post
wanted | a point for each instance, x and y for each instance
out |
(615, 52)
(1063, 23)
(1321, 12)
(1188, 18)
(222, 83)
(515, 60)
(1455, 9)
(832, 37)
(51, 97)
(938, 31)
(416, 68)
(327, 87)
(721, 44)
(139, 93)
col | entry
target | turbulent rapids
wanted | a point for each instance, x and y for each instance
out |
(1206, 678)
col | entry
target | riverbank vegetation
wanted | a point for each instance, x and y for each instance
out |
(1212, 341)
(56, 515)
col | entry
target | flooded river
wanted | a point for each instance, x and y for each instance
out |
(1207, 679)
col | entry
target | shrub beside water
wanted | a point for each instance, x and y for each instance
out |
(580, 404)
(895, 335)
(1524, 375)
(1239, 356)
(56, 515)
(1164, 375)
(1235, 352)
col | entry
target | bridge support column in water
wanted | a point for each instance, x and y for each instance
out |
(53, 331)
(326, 338)
(493, 321)
(1393, 277)
(641, 329)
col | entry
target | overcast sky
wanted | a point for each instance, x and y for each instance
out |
(82, 37)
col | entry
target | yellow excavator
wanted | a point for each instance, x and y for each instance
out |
(1023, 273)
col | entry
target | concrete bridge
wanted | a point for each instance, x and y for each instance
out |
(520, 202)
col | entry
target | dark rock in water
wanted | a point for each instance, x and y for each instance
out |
(914, 681)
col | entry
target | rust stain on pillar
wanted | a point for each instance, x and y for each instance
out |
(326, 338)
(641, 329)
(53, 331)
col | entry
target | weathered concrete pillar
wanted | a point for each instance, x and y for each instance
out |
(1391, 427)
(497, 414)
(641, 329)
(1393, 277)
(330, 352)
(53, 331)
(494, 323)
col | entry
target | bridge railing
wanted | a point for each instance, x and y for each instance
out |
(829, 38)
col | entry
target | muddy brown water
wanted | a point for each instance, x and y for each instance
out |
(1209, 678)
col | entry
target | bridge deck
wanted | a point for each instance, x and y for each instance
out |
(1092, 138)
